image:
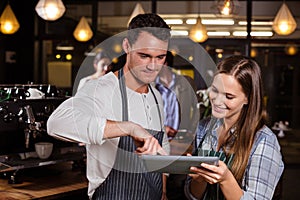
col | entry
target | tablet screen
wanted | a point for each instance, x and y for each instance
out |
(175, 164)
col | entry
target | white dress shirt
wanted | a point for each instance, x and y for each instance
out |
(82, 118)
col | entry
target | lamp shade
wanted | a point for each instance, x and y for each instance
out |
(284, 22)
(83, 31)
(198, 32)
(8, 21)
(50, 10)
(138, 9)
(225, 7)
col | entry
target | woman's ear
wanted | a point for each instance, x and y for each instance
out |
(246, 101)
(126, 46)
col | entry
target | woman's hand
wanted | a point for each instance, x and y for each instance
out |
(194, 174)
(211, 173)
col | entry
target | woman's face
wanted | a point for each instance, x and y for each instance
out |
(103, 65)
(227, 97)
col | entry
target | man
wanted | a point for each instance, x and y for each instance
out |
(171, 110)
(93, 117)
(184, 117)
(185, 90)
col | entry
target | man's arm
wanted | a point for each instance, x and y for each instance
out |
(145, 142)
(71, 123)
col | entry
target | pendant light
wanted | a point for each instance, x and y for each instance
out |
(225, 7)
(50, 10)
(138, 9)
(291, 49)
(83, 31)
(8, 21)
(198, 32)
(284, 22)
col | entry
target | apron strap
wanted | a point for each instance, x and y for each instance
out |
(123, 95)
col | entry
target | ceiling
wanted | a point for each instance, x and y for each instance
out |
(113, 15)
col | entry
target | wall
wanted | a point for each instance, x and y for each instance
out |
(19, 68)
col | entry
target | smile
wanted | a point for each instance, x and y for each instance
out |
(218, 109)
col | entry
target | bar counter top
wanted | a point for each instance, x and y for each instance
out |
(57, 181)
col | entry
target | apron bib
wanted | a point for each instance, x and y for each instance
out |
(213, 191)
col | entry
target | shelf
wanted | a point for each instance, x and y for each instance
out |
(14, 162)
(58, 181)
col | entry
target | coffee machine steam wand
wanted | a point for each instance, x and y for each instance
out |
(31, 125)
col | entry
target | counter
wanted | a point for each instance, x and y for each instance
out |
(57, 181)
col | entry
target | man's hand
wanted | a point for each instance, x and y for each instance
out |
(145, 142)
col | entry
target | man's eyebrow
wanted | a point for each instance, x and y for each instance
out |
(146, 54)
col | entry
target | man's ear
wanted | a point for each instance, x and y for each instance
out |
(126, 45)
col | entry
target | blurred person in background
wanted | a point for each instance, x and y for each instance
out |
(185, 90)
(181, 114)
(101, 64)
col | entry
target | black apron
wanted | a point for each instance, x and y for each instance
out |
(128, 179)
(213, 191)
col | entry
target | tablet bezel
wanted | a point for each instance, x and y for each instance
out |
(175, 164)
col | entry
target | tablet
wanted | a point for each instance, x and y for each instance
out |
(175, 164)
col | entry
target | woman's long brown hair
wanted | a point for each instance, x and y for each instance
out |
(252, 117)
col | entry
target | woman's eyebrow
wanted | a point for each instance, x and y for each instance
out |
(225, 93)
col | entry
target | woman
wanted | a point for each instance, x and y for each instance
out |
(102, 65)
(250, 160)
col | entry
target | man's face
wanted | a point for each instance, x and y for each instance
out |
(145, 58)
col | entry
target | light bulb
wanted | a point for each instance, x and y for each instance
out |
(226, 7)
(198, 32)
(50, 10)
(8, 26)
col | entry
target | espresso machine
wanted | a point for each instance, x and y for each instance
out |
(23, 123)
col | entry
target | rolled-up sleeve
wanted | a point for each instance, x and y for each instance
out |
(82, 118)
(74, 120)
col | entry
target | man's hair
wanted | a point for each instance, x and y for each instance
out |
(169, 59)
(151, 23)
